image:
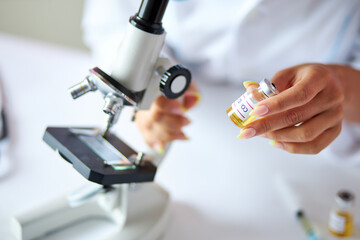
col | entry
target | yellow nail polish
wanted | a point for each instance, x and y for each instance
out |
(161, 151)
(184, 108)
(240, 109)
(247, 133)
(251, 114)
(277, 144)
(198, 96)
(248, 83)
(159, 148)
(272, 143)
(185, 138)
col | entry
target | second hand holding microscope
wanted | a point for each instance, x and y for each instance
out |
(140, 74)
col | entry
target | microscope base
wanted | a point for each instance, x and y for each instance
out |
(139, 212)
(148, 213)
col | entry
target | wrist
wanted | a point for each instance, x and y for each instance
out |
(349, 80)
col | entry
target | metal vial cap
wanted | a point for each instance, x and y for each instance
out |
(345, 199)
(268, 88)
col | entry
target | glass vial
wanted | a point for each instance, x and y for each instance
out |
(341, 216)
(239, 111)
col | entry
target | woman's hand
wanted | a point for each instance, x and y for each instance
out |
(164, 121)
(307, 115)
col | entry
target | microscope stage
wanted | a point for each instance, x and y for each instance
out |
(101, 160)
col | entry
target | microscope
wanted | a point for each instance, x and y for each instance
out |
(140, 74)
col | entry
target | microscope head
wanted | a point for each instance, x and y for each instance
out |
(140, 72)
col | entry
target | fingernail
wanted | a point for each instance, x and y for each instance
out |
(195, 98)
(260, 110)
(185, 121)
(184, 109)
(159, 148)
(277, 144)
(246, 133)
(198, 97)
(251, 114)
(248, 83)
(181, 136)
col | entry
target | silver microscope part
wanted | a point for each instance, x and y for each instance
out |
(115, 97)
(106, 88)
(83, 87)
(110, 121)
(113, 106)
(139, 158)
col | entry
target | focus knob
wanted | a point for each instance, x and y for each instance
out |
(175, 81)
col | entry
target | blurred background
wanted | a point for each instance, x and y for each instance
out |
(235, 196)
(55, 21)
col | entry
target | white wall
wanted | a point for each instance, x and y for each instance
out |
(56, 21)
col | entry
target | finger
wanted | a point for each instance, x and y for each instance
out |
(284, 79)
(191, 97)
(189, 101)
(311, 129)
(302, 90)
(158, 146)
(160, 143)
(248, 84)
(166, 135)
(163, 104)
(158, 139)
(153, 127)
(171, 122)
(313, 147)
(289, 118)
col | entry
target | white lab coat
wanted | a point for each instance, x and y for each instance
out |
(237, 40)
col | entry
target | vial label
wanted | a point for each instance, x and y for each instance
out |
(243, 106)
(337, 223)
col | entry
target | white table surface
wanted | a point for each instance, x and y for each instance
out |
(221, 187)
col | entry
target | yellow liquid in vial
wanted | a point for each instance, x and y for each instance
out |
(348, 228)
(238, 122)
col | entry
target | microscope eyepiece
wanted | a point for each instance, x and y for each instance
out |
(150, 15)
(152, 11)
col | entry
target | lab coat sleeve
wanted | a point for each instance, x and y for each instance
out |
(346, 147)
(354, 55)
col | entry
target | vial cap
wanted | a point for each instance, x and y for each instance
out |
(345, 199)
(268, 88)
